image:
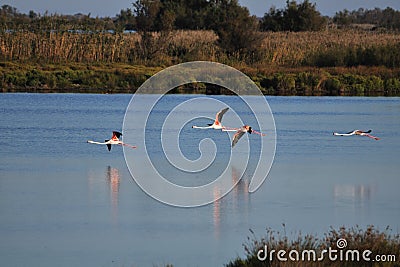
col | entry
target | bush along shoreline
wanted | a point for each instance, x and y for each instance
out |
(125, 78)
(353, 246)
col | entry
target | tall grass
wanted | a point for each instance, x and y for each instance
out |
(105, 47)
(293, 48)
(289, 49)
(334, 62)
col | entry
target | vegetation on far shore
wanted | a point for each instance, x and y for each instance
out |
(58, 53)
(303, 63)
(125, 78)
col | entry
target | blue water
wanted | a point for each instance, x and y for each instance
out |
(64, 202)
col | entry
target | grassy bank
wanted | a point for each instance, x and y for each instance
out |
(125, 78)
(332, 62)
(74, 78)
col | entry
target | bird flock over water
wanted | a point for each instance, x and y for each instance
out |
(217, 125)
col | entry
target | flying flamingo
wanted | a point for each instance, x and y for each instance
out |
(241, 131)
(358, 132)
(113, 141)
(217, 122)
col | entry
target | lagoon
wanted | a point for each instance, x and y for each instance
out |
(64, 202)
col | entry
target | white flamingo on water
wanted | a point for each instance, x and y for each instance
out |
(113, 141)
(217, 122)
(241, 131)
(358, 132)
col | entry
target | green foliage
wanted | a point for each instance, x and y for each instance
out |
(125, 20)
(74, 78)
(295, 17)
(146, 14)
(387, 18)
(125, 78)
(56, 52)
(324, 83)
(373, 55)
(332, 85)
(236, 29)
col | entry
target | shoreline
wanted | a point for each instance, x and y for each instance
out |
(123, 78)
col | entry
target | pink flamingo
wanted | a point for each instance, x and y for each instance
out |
(113, 141)
(358, 132)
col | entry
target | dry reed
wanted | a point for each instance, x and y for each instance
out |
(279, 48)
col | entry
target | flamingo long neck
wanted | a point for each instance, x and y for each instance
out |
(202, 127)
(97, 143)
(343, 134)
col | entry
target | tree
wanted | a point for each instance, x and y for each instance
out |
(273, 20)
(387, 18)
(295, 17)
(236, 29)
(125, 19)
(146, 13)
(342, 18)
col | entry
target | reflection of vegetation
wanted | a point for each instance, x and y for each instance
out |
(380, 243)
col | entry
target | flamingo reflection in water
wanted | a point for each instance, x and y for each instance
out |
(239, 192)
(113, 179)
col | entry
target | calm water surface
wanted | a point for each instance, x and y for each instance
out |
(64, 202)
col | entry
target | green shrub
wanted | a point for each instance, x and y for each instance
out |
(370, 238)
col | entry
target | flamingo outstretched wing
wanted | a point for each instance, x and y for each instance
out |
(220, 114)
(216, 123)
(237, 136)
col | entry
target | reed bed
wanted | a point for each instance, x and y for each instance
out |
(104, 47)
(278, 48)
(292, 48)
(332, 62)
